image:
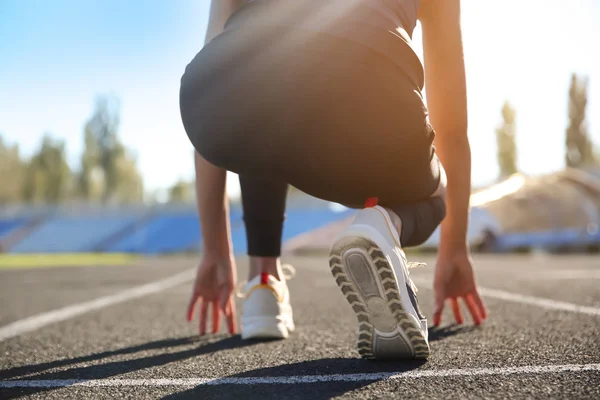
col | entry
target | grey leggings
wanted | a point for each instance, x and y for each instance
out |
(334, 118)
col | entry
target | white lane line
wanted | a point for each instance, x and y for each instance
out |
(539, 301)
(524, 299)
(427, 283)
(40, 320)
(580, 274)
(290, 380)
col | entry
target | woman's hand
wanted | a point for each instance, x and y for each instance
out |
(214, 288)
(454, 279)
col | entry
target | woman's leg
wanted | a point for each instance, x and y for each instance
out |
(263, 202)
(416, 222)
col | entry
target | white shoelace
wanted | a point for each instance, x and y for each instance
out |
(416, 264)
(288, 271)
(411, 265)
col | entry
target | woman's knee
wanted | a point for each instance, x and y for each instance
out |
(438, 209)
(420, 220)
(443, 182)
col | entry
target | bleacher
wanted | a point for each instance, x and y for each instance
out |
(179, 231)
(164, 233)
(8, 225)
(297, 221)
(159, 229)
(73, 234)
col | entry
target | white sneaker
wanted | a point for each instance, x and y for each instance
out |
(371, 269)
(266, 311)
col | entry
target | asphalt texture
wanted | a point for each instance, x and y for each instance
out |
(149, 338)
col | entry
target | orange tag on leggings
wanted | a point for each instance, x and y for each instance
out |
(371, 202)
(264, 278)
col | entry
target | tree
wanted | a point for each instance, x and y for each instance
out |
(181, 192)
(506, 142)
(48, 177)
(130, 185)
(12, 172)
(101, 132)
(107, 158)
(579, 148)
(90, 180)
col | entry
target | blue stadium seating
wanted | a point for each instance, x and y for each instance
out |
(165, 233)
(157, 232)
(7, 225)
(301, 221)
(297, 222)
(66, 234)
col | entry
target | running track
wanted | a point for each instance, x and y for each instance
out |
(120, 332)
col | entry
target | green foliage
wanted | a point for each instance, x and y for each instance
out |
(89, 180)
(48, 176)
(12, 173)
(579, 147)
(506, 142)
(129, 183)
(108, 170)
(181, 192)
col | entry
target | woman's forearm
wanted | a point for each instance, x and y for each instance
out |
(456, 158)
(213, 207)
(447, 103)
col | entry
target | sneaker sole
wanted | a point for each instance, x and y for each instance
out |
(368, 281)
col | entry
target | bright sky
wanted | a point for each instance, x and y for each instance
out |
(57, 55)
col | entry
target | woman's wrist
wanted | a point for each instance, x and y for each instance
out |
(217, 254)
(453, 239)
(217, 247)
(454, 228)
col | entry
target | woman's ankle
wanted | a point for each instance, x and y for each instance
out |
(270, 265)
